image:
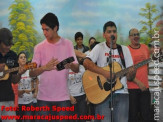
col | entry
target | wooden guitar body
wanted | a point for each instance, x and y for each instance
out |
(4, 76)
(94, 87)
(94, 92)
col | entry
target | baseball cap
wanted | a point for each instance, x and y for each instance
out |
(6, 36)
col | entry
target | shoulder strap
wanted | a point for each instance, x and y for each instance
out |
(119, 47)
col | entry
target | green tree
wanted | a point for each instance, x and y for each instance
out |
(149, 13)
(22, 26)
(121, 40)
(86, 35)
(99, 36)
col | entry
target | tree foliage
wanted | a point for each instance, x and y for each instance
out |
(99, 36)
(22, 26)
(150, 14)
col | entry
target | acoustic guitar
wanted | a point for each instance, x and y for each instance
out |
(4, 75)
(93, 83)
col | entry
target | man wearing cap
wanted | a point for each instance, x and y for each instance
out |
(8, 58)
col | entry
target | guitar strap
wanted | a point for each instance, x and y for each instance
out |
(119, 47)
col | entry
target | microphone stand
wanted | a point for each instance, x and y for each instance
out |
(111, 80)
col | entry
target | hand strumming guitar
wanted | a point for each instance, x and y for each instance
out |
(21, 70)
(106, 74)
(2, 66)
(16, 78)
(131, 74)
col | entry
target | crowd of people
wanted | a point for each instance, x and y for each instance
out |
(47, 86)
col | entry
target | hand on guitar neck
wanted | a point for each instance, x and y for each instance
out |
(131, 74)
(131, 77)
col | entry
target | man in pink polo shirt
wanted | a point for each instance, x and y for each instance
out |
(53, 89)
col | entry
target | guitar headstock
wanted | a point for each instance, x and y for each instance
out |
(30, 66)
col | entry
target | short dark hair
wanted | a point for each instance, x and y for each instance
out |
(91, 38)
(6, 36)
(78, 34)
(94, 44)
(50, 20)
(109, 23)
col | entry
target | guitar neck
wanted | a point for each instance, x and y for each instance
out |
(125, 71)
(11, 70)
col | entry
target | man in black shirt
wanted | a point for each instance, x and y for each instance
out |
(8, 58)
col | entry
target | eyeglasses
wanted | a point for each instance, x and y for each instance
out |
(114, 31)
(135, 34)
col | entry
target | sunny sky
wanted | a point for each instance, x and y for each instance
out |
(84, 15)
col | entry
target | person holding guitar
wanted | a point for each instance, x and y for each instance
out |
(139, 94)
(9, 58)
(100, 55)
(53, 88)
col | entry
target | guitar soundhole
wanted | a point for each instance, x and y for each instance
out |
(112, 85)
(107, 85)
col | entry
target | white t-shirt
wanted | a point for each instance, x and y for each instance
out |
(100, 54)
(87, 52)
(25, 84)
(75, 82)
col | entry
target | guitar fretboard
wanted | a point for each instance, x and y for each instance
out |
(125, 71)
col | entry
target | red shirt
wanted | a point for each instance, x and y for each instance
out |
(15, 89)
(139, 55)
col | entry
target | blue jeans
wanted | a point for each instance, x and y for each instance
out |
(80, 107)
(120, 108)
(51, 104)
(22, 113)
